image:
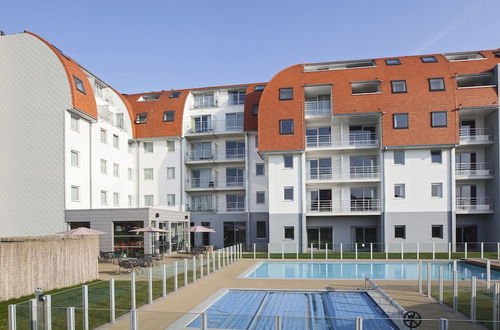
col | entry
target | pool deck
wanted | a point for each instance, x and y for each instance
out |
(494, 264)
(166, 311)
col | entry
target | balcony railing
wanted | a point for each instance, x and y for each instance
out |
(317, 108)
(195, 208)
(351, 140)
(218, 182)
(474, 204)
(215, 126)
(350, 173)
(213, 155)
(472, 169)
(235, 206)
(354, 205)
(475, 135)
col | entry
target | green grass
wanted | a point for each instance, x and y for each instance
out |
(366, 255)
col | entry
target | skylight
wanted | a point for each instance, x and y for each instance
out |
(149, 97)
(339, 65)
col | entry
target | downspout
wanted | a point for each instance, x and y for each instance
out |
(90, 167)
(137, 174)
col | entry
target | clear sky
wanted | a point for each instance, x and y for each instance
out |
(143, 45)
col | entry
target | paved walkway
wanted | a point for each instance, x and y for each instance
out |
(165, 311)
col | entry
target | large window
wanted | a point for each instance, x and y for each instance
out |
(131, 244)
(235, 149)
(237, 97)
(398, 86)
(365, 87)
(234, 121)
(436, 84)
(170, 146)
(171, 199)
(170, 173)
(286, 126)
(476, 80)
(400, 120)
(400, 231)
(204, 100)
(439, 119)
(393, 61)
(235, 203)
(206, 236)
(261, 229)
(286, 94)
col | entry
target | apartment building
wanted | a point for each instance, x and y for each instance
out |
(384, 151)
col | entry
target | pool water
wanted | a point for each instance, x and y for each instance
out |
(372, 270)
(298, 310)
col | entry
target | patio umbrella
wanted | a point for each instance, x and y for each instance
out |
(81, 231)
(199, 229)
(149, 230)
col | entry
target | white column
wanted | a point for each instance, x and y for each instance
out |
(218, 259)
(282, 250)
(85, 306)
(356, 251)
(312, 256)
(465, 249)
(359, 323)
(449, 250)
(420, 276)
(164, 280)
(429, 274)
(402, 251)
(12, 317)
(297, 251)
(33, 314)
(194, 269)
(418, 250)
(208, 263)
(176, 277)
(268, 250)
(371, 251)
(150, 285)
(482, 250)
(473, 289)
(201, 266)
(254, 251)
(70, 318)
(433, 251)
(185, 272)
(498, 250)
(326, 251)
(213, 261)
(441, 272)
(132, 291)
(341, 252)
(386, 251)
(112, 304)
(224, 257)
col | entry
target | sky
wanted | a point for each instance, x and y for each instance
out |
(141, 46)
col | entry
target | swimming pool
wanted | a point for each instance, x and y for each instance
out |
(245, 309)
(360, 270)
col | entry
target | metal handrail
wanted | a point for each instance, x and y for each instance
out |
(475, 134)
(227, 154)
(218, 182)
(215, 126)
(352, 139)
(352, 172)
(481, 168)
(474, 203)
(353, 205)
(317, 108)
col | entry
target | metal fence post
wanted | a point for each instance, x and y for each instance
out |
(133, 319)
(449, 250)
(359, 323)
(420, 276)
(223, 257)
(132, 291)
(488, 274)
(268, 250)
(326, 251)
(386, 251)
(418, 250)
(112, 303)
(443, 324)
(482, 250)
(12, 317)
(429, 280)
(185, 272)
(176, 277)
(371, 251)
(213, 262)
(204, 322)
(433, 250)
(341, 251)
(312, 256)
(441, 284)
(85, 306)
(297, 251)
(277, 322)
(498, 250)
(201, 266)
(70, 318)
(150, 285)
(33, 314)
(402, 251)
(496, 305)
(356, 251)
(254, 249)
(194, 269)
(47, 311)
(473, 294)
(282, 250)
(465, 250)
(455, 290)
(164, 280)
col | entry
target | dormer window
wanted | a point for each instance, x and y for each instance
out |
(464, 56)
(174, 95)
(149, 97)
(259, 88)
(79, 85)
(141, 118)
(476, 80)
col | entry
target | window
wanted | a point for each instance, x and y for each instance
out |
(497, 54)
(234, 121)
(463, 56)
(149, 97)
(148, 200)
(171, 199)
(255, 109)
(148, 174)
(259, 169)
(393, 61)
(400, 120)
(130, 174)
(104, 197)
(365, 87)
(129, 147)
(428, 59)
(204, 100)
(399, 157)
(116, 141)
(104, 136)
(130, 202)
(98, 88)
(400, 231)
(436, 84)
(116, 199)
(256, 141)
(237, 97)
(174, 95)
(399, 191)
(288, 193)
(261, 229)
(286, 94)
(75, 124)
(119, 120)
(79, 85)
(116, 170)
(340, 65)
(75, 158)
(260, 197)
(259, 88)
(286, 126)
(170, 173)
(75, 193)
(439, 119)
(437, 190)
(288, 161)
(398, 86)
(235, 203)
(141, 118)
(437, 231)
(104, 166)
(170, 146)
(436, 156)
(168, 116)
(148, 147)
(289, 232)
(476, 80)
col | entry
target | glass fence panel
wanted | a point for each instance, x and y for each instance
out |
(99, 303)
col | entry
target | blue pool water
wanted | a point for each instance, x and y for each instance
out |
(298, 310)
(360, 270)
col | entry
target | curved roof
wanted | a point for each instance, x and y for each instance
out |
(84, 102)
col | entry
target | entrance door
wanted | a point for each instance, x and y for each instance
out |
(234, 232)
(466, 234)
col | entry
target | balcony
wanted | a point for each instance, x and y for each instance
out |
(201, 209)
(216, 156)
(214, 127)
(353, 173)
(344, 207)
(352, 140)
(475, 136)
(217, 183)
(475, 205)
(465, 171)
(317, 108)
(235, 207)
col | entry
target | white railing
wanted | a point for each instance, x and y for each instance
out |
(212, 155)
(353, 139)
(475, 135)
(201, 208)
(218, 182)
(235, 206)
(474, 204)
(105, 114)
(472, 169)
(317, 108)
(215, 126)
(344, 206)
(350, 173)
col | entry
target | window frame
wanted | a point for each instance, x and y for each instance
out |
(174, 95)
(170, 143)
(283, 90)
(400, 92)
(255, 109)
(285, 157)
(285, 189)
(166, 113)
(439, 112)
(171, 170)
(141, 118)
(77, 153)
(398, 62)
(399, 185)
(105, 167)
(152, 200)
(76, 121)
(287, 228)
(105, 194)
(394, 121)
(436, 90)
(262, 194)
(116, 170)
(282, 121)
(116, 202)
(378, 82)
(260, 165)
(103, 133)
(441, 231)
(394, 157)
(433, 152)
(259, 88)
(79, 83)
(259, 230)
(77, 189)
(148, 170)
(116, 141)
(146, 151)
(424, 59)
(396, 227)
(440, 191)
(173, 198)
